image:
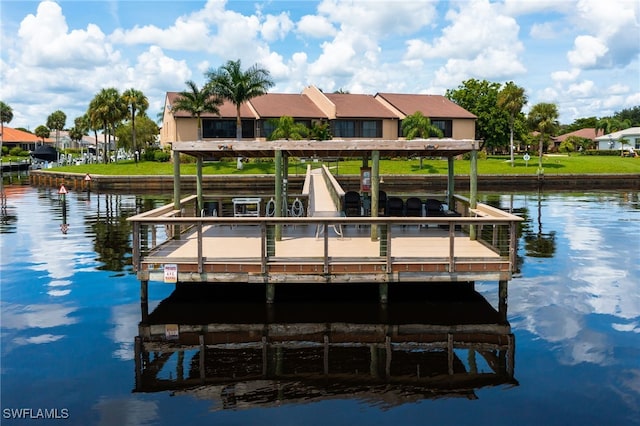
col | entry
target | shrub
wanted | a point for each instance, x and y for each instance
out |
(161, 156)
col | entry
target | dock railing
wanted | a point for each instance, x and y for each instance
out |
(405, 247)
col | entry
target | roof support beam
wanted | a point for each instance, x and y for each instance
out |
(375, 189)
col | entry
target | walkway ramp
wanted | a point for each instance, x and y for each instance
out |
(325, 193)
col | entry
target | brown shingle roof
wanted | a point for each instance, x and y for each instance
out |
(587, 133)
(274, 105)
(227, 109)
(358, 106)
(432, 106)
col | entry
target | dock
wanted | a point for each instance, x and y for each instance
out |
(266, 242)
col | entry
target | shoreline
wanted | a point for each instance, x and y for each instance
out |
(391, 184)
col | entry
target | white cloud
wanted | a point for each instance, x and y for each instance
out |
(581, 90)
(276, 27)
(315, 26)
(479, 43)
(587, 51)
(46, 41)
(545, 30)
(565, 76)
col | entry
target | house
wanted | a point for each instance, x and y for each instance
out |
(586, 133)
(623, 139)
(350, 116)
(12, 138)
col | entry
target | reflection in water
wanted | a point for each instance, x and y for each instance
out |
(222, 343)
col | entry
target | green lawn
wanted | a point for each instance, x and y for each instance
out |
(552, 164)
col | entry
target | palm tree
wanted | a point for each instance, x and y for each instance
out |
(136, 102)
(231, 83)
(543, 118)
(287, 129)
(417, 125)
(56, 121)
(512, 98)
(42, 132)
(197, 101)
(107, 109)
(6, 115)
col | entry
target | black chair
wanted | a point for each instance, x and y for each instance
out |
(395, 206)
(413, 207)
(434, 208)
(352, 204)
(382, 203)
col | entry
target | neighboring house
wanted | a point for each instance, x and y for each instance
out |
(349, 116)
(612, 141)
(586, 133)
(25, 140)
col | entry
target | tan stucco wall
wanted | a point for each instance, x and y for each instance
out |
(464, 128)
(390, 129)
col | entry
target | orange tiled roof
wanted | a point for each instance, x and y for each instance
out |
(432, 106)
(11, 135)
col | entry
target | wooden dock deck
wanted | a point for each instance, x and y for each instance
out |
(324, 249)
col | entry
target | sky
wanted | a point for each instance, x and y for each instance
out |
(582, 55)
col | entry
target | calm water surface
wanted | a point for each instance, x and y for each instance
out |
(70, 311)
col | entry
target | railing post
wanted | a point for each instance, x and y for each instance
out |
(452, 238)
(513, 244)
(325, 226)
(263, 247)
(135, 250)
(200, 257)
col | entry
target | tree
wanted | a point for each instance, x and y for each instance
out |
(417, 125)
(6, 115)
(320, 132)
(138, 103)
(146, 133)
(511, 99)
(543, 118)
(107, 108)
(287, 129)
(481, 98)
(229, 82)
(196, 102)
(630, 114)
(42, 132)
(56, 121)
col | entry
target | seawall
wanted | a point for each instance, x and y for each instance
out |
(391, 184)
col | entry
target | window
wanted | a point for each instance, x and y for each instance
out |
(219, 129)
(445, 126)
(226, 129)
(370, 129)
(344, 129)
(356, 128)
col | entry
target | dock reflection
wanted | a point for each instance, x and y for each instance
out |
(225, 344)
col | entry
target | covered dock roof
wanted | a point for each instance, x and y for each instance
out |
(350, 148)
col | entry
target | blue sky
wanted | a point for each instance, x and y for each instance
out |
(582, 55)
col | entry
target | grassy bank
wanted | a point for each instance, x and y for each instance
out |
(576, 164)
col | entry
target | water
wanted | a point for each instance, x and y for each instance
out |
(70, 312)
